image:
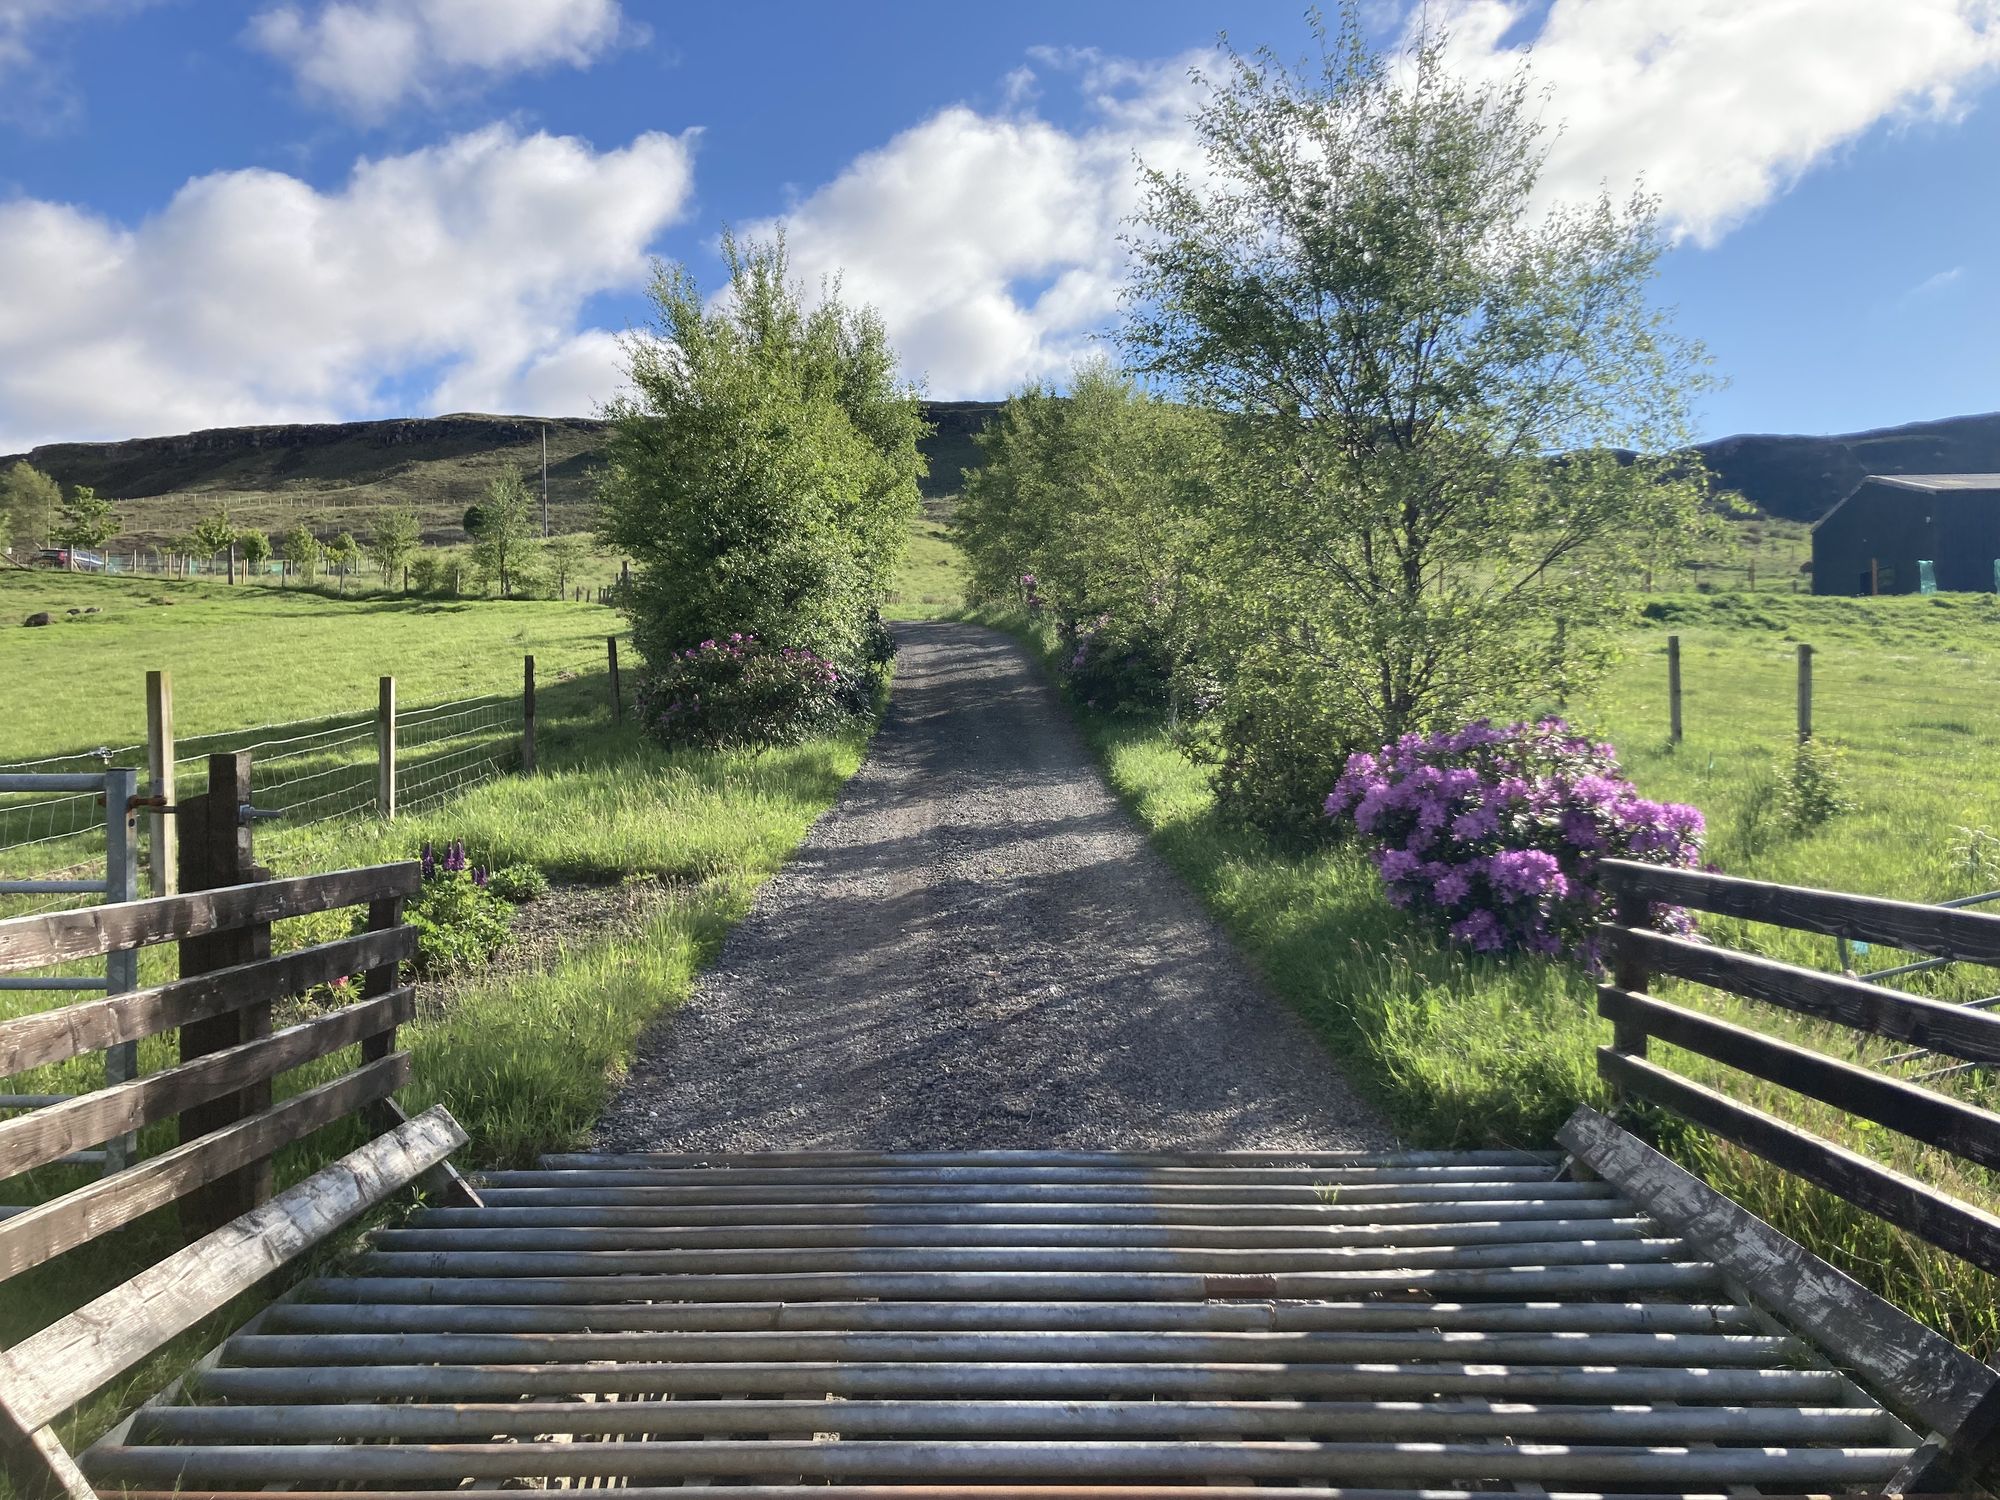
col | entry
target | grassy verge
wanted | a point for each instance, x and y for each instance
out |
(1461, 1051)
(525, 1062)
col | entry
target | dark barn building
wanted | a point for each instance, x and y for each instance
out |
(1881, 537)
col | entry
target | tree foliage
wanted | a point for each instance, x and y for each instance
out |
(564, 554)
(393, 540)
(302, 552)
(84, 520)
(31, 500)
(1105, 498)
(255, 547)
(763, 473)
(503, 528)
(1434, 383)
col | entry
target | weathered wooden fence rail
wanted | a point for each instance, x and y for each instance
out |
(1951, 1125)
(219, 1095)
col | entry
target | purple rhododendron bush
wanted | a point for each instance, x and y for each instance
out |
(1497, 831)
(742, 691)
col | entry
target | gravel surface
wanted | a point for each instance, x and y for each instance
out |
(976, 947)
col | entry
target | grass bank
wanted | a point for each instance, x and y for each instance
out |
(1462, 1051)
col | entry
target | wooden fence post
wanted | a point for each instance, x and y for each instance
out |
(1674, 689)
(617, 704)
(527, 715)
(385, 750)
(164, 840)
(1805, 693)
(215, 852)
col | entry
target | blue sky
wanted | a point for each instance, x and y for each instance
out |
(214, 213)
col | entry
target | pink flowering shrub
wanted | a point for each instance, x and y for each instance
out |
(1497, 831)
(740, 691)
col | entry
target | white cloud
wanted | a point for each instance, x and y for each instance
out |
(366, 57)
(1722, 104)
(460, 269)
(990, 241)
(1936, 282)
(33, 91)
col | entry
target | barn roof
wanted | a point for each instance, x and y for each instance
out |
(1933, 483)
(1922, 484)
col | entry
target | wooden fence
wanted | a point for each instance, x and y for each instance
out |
(218, 1095)
(1958, 1128)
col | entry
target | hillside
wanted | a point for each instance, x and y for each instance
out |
(1802, 478)
(325, 472)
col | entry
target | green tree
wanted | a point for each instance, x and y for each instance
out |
(393, 540)
(1105, 497)
(255, 547)
(503, 528)
(84, 521)
(341, 554)
(763, 472)
(1435, 383)
(564, 555)
(302, 552)
(31, 500)
(212, 534)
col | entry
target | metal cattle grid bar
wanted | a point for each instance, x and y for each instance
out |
(1011, 1324)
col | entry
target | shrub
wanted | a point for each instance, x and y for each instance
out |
(1110, 666)
(460, 923)
(1497, 832)
(741, 691)
(518, 884)
(1816, 790)
(424, 572)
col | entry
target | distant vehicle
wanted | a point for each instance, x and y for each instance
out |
(75, 561)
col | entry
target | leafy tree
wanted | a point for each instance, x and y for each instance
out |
(1104, 497)
(564, 555)
(763, 472)
(212, 534)
(31, 499)
(343, 553)
(301, 551)
(6, 532)
(182, 547)
(393, 541)
(255, 547)
(84, 521)
(1434, 382)
(502, 528)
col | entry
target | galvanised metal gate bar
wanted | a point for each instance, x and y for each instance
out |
(117, 788)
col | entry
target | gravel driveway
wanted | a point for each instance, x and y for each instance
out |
(976, 947)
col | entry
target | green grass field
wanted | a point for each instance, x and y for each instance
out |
(260, 655)
(930, 580)
(1462, 1051)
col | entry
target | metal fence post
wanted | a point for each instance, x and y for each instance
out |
(385, 750)
(163, 840)
(121, 966)
(527, 715)
(1805, 693)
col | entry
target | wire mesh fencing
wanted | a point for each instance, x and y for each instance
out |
(306, 771)
(56, 836)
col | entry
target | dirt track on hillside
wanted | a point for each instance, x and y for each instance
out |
(976, 947)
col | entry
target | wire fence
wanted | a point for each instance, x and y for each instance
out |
(307, 771)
